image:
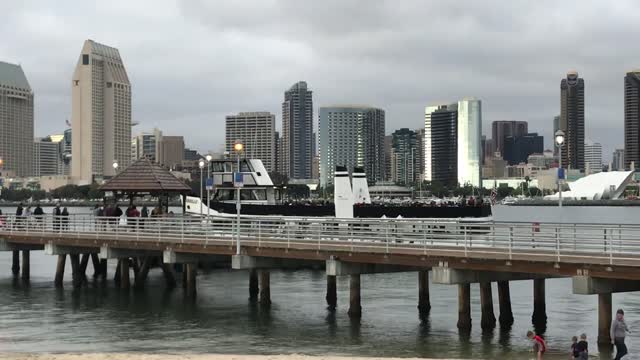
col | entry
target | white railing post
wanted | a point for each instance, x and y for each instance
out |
(464, 231)
(182, 229)
(386, 235)
(558, 246)
(510, 242)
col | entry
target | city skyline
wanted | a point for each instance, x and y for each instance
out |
(271, 57)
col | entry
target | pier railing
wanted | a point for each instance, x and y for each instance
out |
(589, 243)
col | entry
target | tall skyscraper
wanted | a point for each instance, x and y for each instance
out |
(632, 119)
(503, 128)
(441, 144)
(297, 132)
(16, 121)
(419, 154)
(593, 157)
(170, 151)
(518, 148)
(100, 114)
(469, 142)
(404, 145)
(146, 145)
(572, 120)
(66, 152)
(47, 156)
(256, 130)
(618, 163)
(352, 136)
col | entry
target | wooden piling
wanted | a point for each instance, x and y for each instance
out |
(75, 270)
(488, 319)
(116, 276)
(424, 303)
(103, 269)
(604, 319)
(124, 274)
(84, 262)
(464, 307)
(539, 317)
(504, 300)
(97, 267)
(191, 272)
(62, 259)
(26, 267)
(141, 275)
(332, 292)
(135, 265)
(15, 264)
(254, 288)
(355, 306)
(169, 275)
(265, 288)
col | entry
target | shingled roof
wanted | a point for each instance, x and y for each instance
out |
(145, 176)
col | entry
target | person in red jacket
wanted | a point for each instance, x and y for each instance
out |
(539, 345)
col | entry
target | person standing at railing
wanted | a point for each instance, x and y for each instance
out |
(143, 215)
(56, 217)
(619, 331)
(39, 215)
(19, 215)
(65, 219)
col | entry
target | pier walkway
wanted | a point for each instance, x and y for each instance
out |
(601, 259)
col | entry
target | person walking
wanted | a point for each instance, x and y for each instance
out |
(39, 215)
(65, 219)
(619, 331)
(539, 345)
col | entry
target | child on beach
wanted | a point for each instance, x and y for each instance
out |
(539, 345)
(574, 348)
(583, 348)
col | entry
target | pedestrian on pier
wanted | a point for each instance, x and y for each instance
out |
(56, 217)
(619, 331)
(539, 345)
(19, 214)
(65, 219)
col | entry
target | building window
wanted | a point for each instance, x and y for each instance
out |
(85, 59)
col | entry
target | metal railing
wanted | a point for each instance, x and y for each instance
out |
(587, 243)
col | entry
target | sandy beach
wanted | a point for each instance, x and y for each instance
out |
(125, 356)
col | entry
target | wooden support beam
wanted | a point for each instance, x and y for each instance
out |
(464, 307)
(504, 300)
(59, 279)
(265, 288)
(84, 262)
(424, 303)
(75, 270)
(604, 319)
(141, 276)
(169, 275)
(191, 271)
(332, 292)
(103, 269)
(26, 266)
(539, 317)
(355, 307)
(97, 267)
(135, 264)
(254, 288)
(124, 274)
(15, 264)
(488, 319)
(116, 276)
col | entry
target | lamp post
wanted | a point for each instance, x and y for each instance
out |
(208, 157)
(238, 147)
(559, 140)
(115, 166)
(201, 166)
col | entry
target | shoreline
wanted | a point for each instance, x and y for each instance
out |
(145, 356)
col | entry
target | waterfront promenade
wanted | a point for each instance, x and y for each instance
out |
(600, 259)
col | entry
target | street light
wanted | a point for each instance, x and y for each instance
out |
(208, 157)
(559, 139)
(238, 147)
(115, 166)
(201, 166)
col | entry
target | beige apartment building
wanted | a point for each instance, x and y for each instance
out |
(170, 151)
(100, 114)
(16, 121)
(256, 131)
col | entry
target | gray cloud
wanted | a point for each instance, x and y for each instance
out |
(192, 62)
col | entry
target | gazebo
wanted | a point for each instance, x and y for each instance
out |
(145, 177)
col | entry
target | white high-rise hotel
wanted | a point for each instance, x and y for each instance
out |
(101, 113)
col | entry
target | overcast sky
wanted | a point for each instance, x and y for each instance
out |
(192, 62)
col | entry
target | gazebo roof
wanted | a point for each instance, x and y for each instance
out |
(145, 176)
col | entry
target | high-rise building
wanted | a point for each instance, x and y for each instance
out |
(352, 136)
(170, 151)
(47, 156)
(488, 148)
(297, 132)
(404, 145)
(101, 113)
(593, 157)
(632, 119)
(389, 163)
(518, 148)
(419, 154)
(256, 131)
(441, 144)
(146, 145)
(572, 120)
(618, 163)
(556, 127)
(16, 121)
(503, 128)
(469, 142)
(66, 152)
